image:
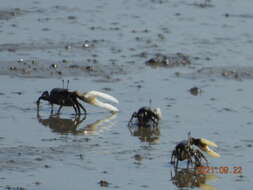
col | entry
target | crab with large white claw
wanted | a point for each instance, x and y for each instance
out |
(64, 97)
(184, 150)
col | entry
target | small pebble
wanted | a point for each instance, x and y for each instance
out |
(13, 68)
(71, 17)
(54, 66)
(138, 157)
(64, 61)
(195, 91)
(85, 45)
(67, 47)
(227, 15)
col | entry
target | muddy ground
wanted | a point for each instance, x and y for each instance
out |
(106, 45)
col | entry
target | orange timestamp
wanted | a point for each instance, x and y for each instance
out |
(219, 170)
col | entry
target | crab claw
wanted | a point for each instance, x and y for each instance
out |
(208, 142)
(204, 145)
(91, 98)
(158, 112)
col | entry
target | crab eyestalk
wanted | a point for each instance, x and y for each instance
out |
(91, 98)
(204, 144)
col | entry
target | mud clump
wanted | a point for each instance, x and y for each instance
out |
(236, 73)
(15, 188)
(226, 72)
(11, 13)
(250, 16)
(172, 60)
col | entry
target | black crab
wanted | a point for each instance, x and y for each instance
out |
(64, 97)
(146, 117)
(184, 150)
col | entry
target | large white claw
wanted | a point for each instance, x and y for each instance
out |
(208, 142)
(212, 153)
(94, 93)
(91, 98)
(205, 147)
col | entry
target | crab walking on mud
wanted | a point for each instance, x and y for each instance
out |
(64, 97)
(146, 117)
(184, 151)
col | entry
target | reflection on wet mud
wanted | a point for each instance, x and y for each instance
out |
(187, 177)
(150, 134)
(68, 125)
(98, 125)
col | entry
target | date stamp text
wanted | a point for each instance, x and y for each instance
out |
(219, 170)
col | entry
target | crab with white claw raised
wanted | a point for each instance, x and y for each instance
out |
(184, 150)
(64, 97)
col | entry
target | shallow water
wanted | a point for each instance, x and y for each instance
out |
(45, 152)
(109, 151)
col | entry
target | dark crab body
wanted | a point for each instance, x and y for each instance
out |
(62, 97)
(145, 117)
(185, 150)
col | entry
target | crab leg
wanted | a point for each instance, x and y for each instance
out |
(76, 104)
(85, 112)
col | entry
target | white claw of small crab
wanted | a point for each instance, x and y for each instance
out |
(91, 98)
(208, 142)
(205, 147)
(158, 112)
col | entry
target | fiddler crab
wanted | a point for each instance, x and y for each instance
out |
(146, 117)
(64, 97)
(184, 150)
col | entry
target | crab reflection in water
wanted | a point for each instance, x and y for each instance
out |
(68, 125)
(186, 177)
(151, 135)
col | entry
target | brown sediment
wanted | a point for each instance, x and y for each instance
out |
(172, 60)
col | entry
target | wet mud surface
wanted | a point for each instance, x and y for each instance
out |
(200, 76)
